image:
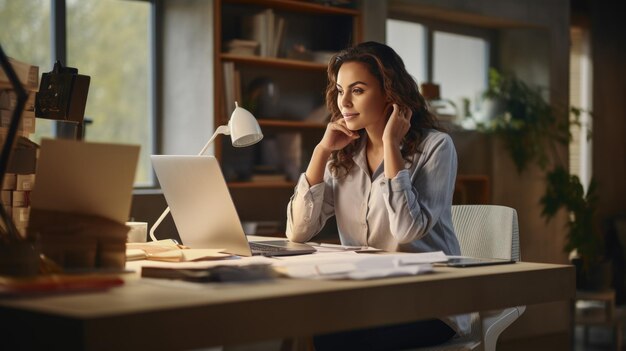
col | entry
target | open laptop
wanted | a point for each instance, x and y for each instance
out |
(85, 178)
(203, 210)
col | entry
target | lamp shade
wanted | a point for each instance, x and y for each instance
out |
(244, 128)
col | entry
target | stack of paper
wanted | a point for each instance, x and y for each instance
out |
(22, 163)
(358, 266)
(326, 265)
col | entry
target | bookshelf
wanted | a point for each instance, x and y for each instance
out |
(271, 56)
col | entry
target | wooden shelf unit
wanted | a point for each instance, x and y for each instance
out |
(298, 6)
(268, 123)
(300, 79)
(273, 62)
(472, 190)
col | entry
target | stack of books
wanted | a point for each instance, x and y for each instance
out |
(20, 178)
(267, 29)
(243, 47)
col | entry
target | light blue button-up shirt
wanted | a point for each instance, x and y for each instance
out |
(409, 213)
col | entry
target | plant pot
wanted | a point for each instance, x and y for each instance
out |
(595, 277)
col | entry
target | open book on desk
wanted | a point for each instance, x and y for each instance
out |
(168, 250)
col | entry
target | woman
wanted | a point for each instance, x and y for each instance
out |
(386, 173)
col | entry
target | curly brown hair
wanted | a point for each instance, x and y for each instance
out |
(399, 88)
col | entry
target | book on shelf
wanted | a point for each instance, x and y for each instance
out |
(264, 228)
(27, 74)
(270, 173)
(278, 36)
(24, 157)
(237, 87)
(8, 100)
(267, 29)
(232, 87)
(242, 47)
(27, 121)
(268, 178)
(228, 73)
(19, 134)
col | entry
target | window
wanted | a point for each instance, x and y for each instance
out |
(460, 76)
(430, 53)
(25, 36)
(108, 40)
(408, 39)
(580, 96)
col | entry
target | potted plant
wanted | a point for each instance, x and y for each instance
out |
(531, 130)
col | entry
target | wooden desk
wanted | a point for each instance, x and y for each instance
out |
(157, 314)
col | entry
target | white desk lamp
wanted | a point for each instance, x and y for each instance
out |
(244, 130)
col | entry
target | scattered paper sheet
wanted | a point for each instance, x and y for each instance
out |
(168, 250)
(358, 266)
(325, 247)
(423, 257)
(233, 260)
(188, 255)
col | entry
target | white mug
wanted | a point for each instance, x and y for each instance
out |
(138, 232)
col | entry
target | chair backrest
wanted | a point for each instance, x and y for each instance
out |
(487, 231)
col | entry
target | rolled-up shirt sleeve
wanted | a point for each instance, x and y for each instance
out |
(309, 208)
(415, 201)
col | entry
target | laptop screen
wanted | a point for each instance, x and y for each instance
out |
(200, 203)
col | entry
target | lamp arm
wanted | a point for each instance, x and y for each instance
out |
(220, 130)
(157, 223)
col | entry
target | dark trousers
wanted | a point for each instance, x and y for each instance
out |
(394, 337)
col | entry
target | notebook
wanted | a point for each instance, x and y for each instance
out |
(203, 210)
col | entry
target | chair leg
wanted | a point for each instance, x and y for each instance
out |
(617, 336)
(297, 344)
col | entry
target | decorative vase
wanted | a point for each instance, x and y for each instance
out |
(595, 277)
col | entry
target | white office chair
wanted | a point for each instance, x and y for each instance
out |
(486, 231)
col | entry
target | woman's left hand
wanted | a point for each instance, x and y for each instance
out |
(397, 125)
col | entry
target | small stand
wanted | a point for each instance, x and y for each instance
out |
(597, 308)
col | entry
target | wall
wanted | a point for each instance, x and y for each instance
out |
(186, 97)
(608, 36)
(187, 76)
(373, 27)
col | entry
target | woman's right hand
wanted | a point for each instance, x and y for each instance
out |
(337, 136)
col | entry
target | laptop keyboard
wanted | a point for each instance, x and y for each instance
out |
(258, 247)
